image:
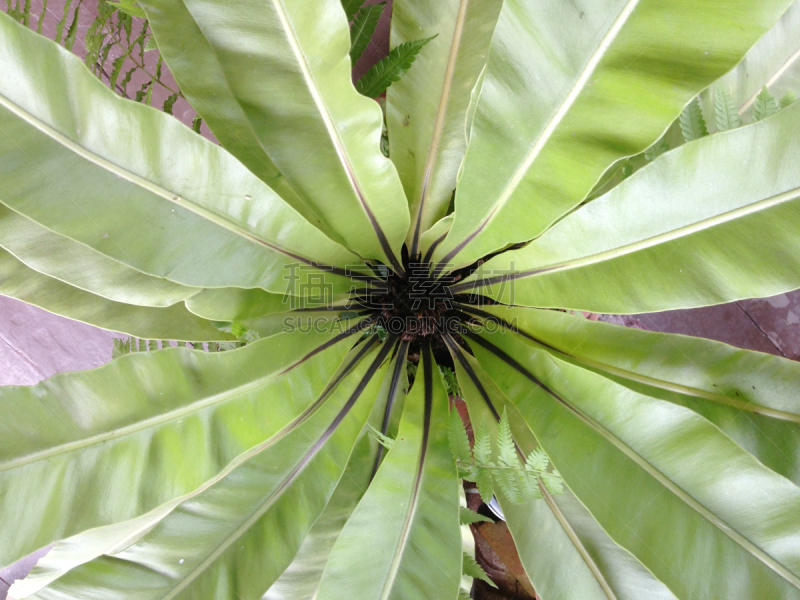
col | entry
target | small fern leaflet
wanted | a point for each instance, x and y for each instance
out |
(390, 69)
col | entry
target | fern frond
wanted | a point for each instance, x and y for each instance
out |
(459, 442)
(391, 68)
(482, 450)
(725, 110)
(530, 486)
(485, 483)
(787, 99)
(537, 461)
(508, 480)
(765, 105)
(470, 517)
(383, 440)
(692, 123)
(471, 568)
(506, 451)
(553, 482)
(351, 8)
(363, 27)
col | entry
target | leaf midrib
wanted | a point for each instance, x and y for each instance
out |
(441, 113)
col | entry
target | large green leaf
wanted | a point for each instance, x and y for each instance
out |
(272, 80)
(677, 234)
(403, 538)
(570, 89)
(73, 263)
(581, 561)
(425, 110)
(88, 449)
(663, 482)
(134, 184)
(232, 539)
(171, 323)
(749, 395)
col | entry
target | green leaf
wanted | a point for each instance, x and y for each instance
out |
(725, 110)
(693, 125)
(472, 569)
(426, 109)
(765, 105)
(688, 235)
(469, 517)
(363, 28)
(293, 472)
(390, 68)
(351, 7)
(189, 195)
(315, 140)
(537, 150)
(457, 437)
(169, 403)
(197, 122)
(150, 44)
(404, 534)
(709, 493)
(463, 594)
(787, 99)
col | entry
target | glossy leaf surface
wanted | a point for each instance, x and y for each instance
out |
(115, 168)
(570, 89)
(253, 519)
(318, 131)
(683, 225)
(78, 457)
